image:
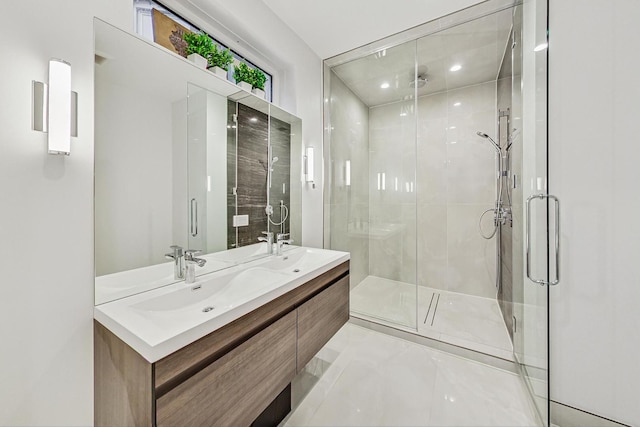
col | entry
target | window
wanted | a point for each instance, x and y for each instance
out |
(143, 17)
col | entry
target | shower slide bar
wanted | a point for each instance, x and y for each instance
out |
(541, 196)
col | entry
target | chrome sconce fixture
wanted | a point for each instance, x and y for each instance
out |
(308, 166)
(55, 108)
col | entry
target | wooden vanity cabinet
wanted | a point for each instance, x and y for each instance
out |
(320, 318)
(236, 388)
(229, 377)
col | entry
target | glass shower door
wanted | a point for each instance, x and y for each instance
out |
(371, 174)
(537, 211)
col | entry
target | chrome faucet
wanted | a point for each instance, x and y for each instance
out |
(191, 261)
(178, 261)
(281, 241)
(269, 240)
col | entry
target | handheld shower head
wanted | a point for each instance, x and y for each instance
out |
(485, 136)
(275, 159)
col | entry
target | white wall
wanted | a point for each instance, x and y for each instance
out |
(594, 149)
(46, 220)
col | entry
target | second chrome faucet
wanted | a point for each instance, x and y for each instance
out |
(280, 240)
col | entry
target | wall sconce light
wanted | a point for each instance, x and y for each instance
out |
(308, 166)
(55, 108)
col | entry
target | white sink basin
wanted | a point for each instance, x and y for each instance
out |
(220, 292)
(126, 283)
(298, 260)
(160, 321)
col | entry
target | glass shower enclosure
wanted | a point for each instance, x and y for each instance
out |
(434, 144)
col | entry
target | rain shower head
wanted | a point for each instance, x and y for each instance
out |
(418, 77)
(420, 81)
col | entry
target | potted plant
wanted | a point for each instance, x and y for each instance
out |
(219, 61)
(199, 46)
(258, 81)
(243, 76)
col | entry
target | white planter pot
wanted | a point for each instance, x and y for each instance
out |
(198, 60)
(244, 85)
(258, 92)
(220, 72)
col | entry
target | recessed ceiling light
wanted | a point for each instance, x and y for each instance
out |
(452, 127)
(384, 85)
(456, 67)
(541, 46)
(403, 114)
(254, 119)
(457, 104)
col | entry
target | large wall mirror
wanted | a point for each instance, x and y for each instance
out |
(183, 158)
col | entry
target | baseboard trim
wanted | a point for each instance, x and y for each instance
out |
(567, 416)
(487, 359)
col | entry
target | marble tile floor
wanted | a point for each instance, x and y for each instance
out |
(366, 378)
(464, 320)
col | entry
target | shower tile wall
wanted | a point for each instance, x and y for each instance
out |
(392, 187)
(504, 102)
(455, 184)
(348, 213)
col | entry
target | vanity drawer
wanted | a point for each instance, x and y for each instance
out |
(320, 318)
(237, 387)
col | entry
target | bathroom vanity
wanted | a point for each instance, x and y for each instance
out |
(223, 350)
(218, 167)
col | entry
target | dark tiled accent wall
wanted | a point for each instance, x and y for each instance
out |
(249, 159)
(281, 175)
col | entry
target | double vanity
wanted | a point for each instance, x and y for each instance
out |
(222, 350)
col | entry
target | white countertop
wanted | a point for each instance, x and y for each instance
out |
(159, 322)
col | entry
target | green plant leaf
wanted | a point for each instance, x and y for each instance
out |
(242, 73)
(258, 78)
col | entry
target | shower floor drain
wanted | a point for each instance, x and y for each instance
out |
(207, 309)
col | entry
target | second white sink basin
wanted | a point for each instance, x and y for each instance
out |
(298, 260)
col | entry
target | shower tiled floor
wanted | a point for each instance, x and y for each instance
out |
(366, 378)
(463, 320)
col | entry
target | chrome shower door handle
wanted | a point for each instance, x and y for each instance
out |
(194, 217)
(556, 280)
